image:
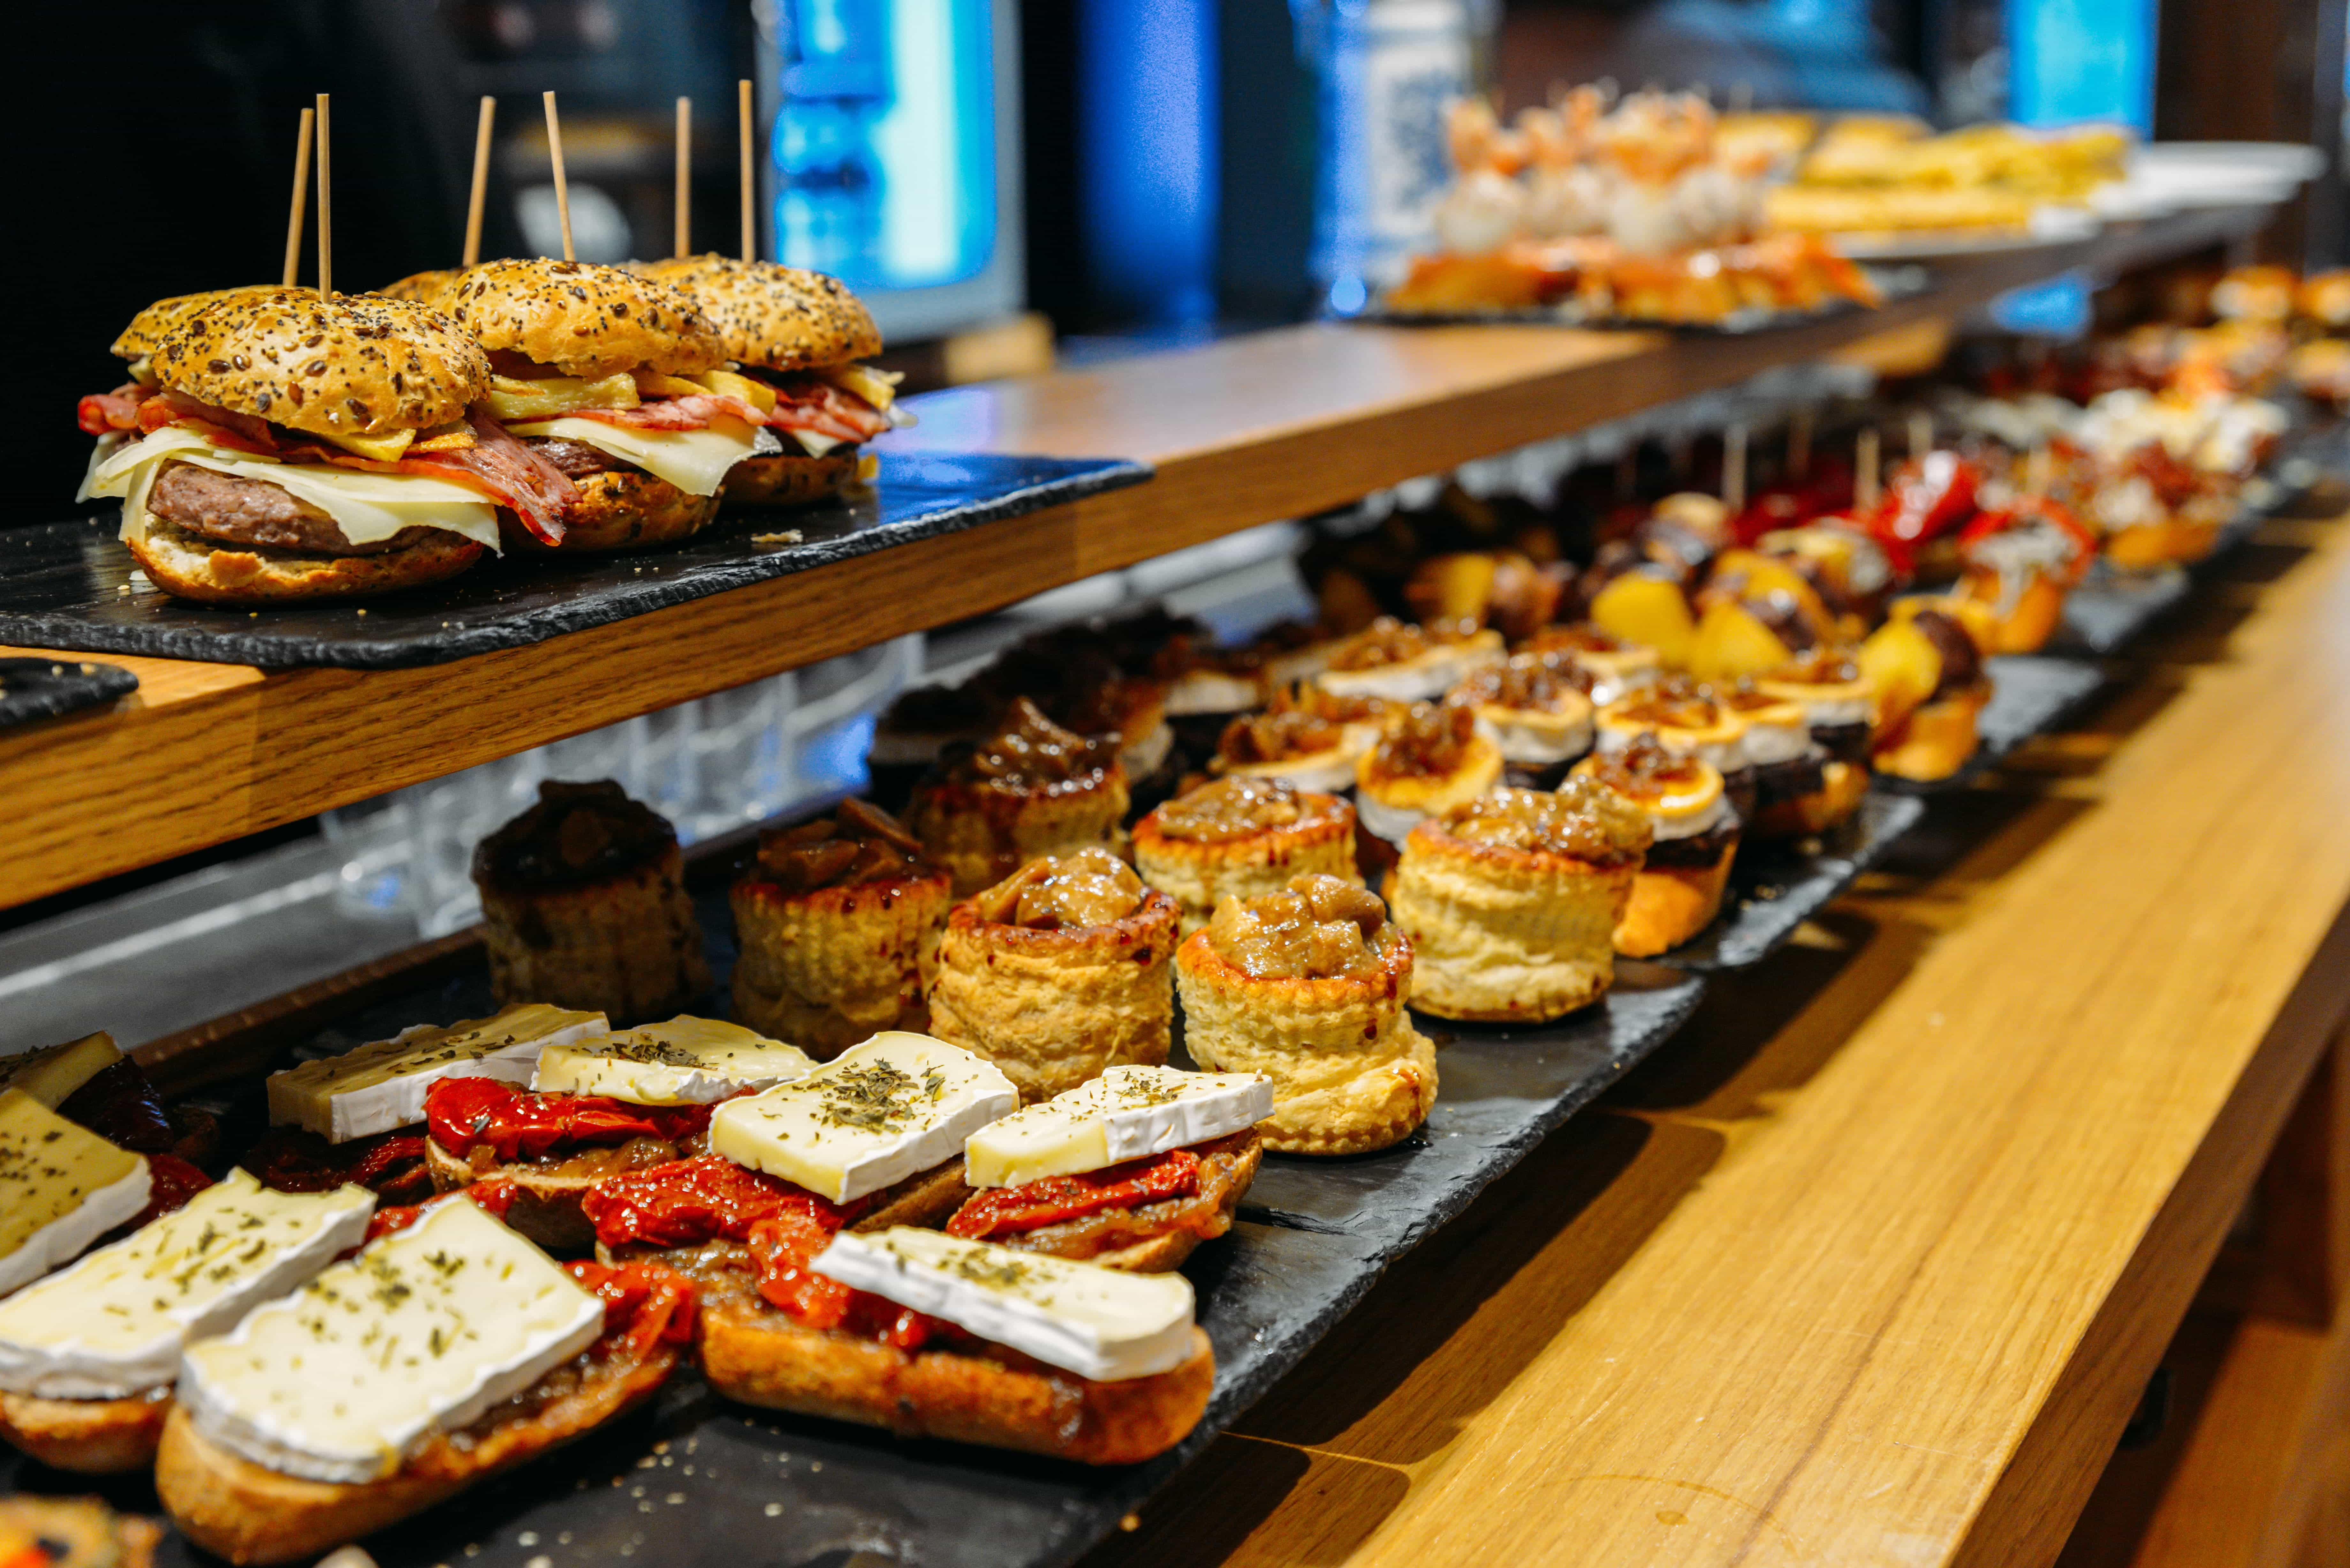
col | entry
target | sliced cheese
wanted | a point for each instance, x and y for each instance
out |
(811, 443)
(686, 1061)
(873, 1115)
(53, 1073)
(113, 1325)
(1125, 1114)
(1100, 1323)
(420, 1333)
(381, 1086)
(694, 461)
(367, 507)
(61, 1187)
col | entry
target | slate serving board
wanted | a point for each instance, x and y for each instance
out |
(698, 1481)
(1892, 283)
(1776, 886)
(33, 689)
(63, 584)
(2030, 693)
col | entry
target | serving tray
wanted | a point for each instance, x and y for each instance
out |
(33, 689)
(2030, 693)
(696, 1480)
(71, 584)
(1892, 284)
(1775, 886)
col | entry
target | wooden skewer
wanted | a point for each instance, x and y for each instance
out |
(1733, 469)
(326, 206)
(301, 197)
(750, 228)
(1799, 443)
(684, 178)
(1865, 462)
(1921, 435)
(481, 180)
(561, 190)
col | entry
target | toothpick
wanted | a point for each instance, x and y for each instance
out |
(561, 190)
(1921, 435)
(683, 246)
(2039, 470)
(1867, 465)
(1799, 443)
(481, 180)
(301, 197)
(1733, 469)
(750, 229)
(325, 207)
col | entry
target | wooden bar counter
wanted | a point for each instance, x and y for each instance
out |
(1871, 1263)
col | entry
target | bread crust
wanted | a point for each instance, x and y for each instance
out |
(190, 567)
(582, 318)
(829, 968)
(618, 509)
(983, 835)
(1670, 904)
(88, 1437)
(1231, 1163)
(628, 946)
(1501, 934)
(757, 1356)
(545, 1210)
(1054, 1009)
(785, 479)
(351, 366)
(775, 317)
(137, 340)
(424, 287)
(1843, 787)
(1936, 740)
(251, 1514)
(1349, 1073)
(1196, 872)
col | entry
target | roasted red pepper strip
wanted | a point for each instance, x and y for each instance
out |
(1010, 1211)
(171, 1182)
(782, 1249)
(645, 1304)
(493, 1196)
(2041, 508)
(1927, 498)
(685, 1202)
(516, 1124)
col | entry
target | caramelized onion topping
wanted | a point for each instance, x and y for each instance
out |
(1528, 682)
(1580, 637)
(576, 833)
(1644, 771)
(1319, 927)
(1821, 667)
(1677, 702)
(1425, 739)
(1387, 641)
(1032, 752)
(1240, 808)
(1581, 820)
(858, 843)
(1064, 892)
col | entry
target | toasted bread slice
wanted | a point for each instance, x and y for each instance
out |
(1227, 1167)
(88, 1437)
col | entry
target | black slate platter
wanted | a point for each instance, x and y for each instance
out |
(699, 1482)
(2109, 608)
(2031, 693)
(33, 689)
(69, 584)
(1892, 283)
(1775, 887)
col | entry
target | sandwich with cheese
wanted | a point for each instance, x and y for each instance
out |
(88, 1356)
(595, 1106)
(620, 381)
(797, 336)
(62, 1187)
(447, 1351)
(295, 448)
(1131, 1170)
(91, 1083)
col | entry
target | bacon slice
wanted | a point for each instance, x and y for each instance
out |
(691, 413)
(539, 493)
(239, 432)
(823, 408)
(102, 412)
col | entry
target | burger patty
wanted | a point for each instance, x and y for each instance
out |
(239, 511)
(576, 459)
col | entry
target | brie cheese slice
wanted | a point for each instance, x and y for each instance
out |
(1125, 1114)
(61, 1187)
(1100, 1323)
(381, 1086)
(686, 1061)
(113, 1325)
(53, 1073)
(694, 461)
(420, 1333)
(871, 1116)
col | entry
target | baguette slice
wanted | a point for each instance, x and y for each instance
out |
(1231, 1164)
(88, 1437)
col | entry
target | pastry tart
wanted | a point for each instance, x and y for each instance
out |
(1058, 972)
(1031, 790)
(583, 906)
(1306, 737)
(1616, 667)
(1307, 986)
(1927, 673)
(839, 923)
(1536, 709)
(1132, 708)
(1431, 759)
(1511, 901)
(1681, 882)
(1405, 663)
(1241, 837)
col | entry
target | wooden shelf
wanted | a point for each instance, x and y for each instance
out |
(1273, 425)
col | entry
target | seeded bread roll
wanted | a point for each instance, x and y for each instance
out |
(350, 366)
(423, 287)
(773, 316)
(618, 509)
(583, 319)
(190, 567)
(137, 340)
(780, 478)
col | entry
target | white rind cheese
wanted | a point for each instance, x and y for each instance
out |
(873, 1115)
(113, 1325)
(686, 1061)
(420, 1333)
(61, 1187)
(381, 1086)
(367, 507)
(1125, 1114)
(1100, 1323)
(694, 461)
(52, 1074)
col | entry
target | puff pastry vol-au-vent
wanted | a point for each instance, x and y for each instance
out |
(1511, 901)
(1405, 663)
(1536, 707)
(1431, 759)
(1242, 836)
(1058, 972)
(1308, 986)
(1679, 888)
(839, 922)
(583, 906)
(1034, 789)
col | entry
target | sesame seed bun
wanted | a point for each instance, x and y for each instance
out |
(137, 339)
(785, 479)
(582, 318)
(620, 509)
(423, 287)
(349, 365)
(190, 567)
(772, 317)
